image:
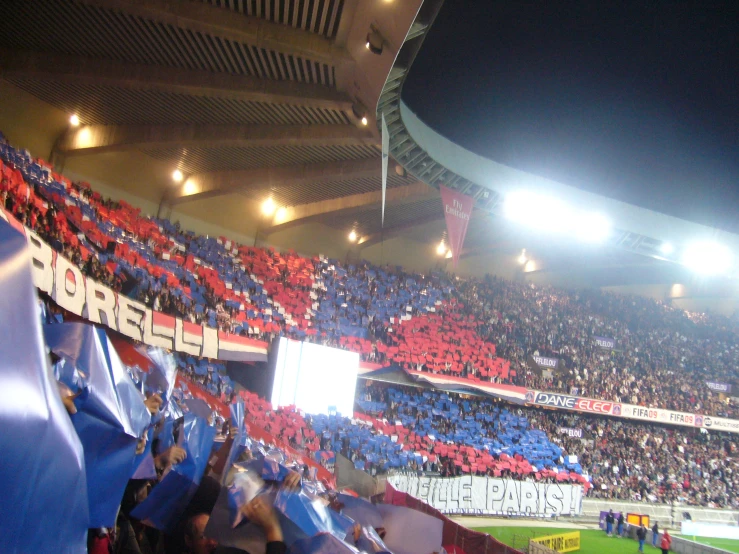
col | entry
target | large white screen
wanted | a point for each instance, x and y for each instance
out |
(316, 379)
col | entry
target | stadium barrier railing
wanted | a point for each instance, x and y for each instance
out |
(665, 514)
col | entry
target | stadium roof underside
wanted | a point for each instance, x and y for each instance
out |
(252, 99)
(258, 98)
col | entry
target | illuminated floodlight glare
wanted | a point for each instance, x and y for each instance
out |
(550, 214)
(353, 236)
(592, 227)
(177, 176)
(74, 120)
(707, 258)
(441, 249)
(268, 207)
(522, 259)
(666, 248)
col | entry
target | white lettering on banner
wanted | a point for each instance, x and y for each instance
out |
(161, 337)
(56, 276)
(630, 411)
(470, 494)
(42, 258)
(456, 210)
(101, 305)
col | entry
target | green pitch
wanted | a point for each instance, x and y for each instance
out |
(731, 545)
(592, 541)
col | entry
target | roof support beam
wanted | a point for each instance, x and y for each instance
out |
(97, 139)
(395, 230)
(293, 216)
(75, 69)
(200, 17)
(209, 185)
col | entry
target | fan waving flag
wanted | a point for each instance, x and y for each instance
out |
(457, 212)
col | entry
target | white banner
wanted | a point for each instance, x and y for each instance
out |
(63, 281)
(470, 494)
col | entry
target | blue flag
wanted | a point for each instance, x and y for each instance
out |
(44, 504)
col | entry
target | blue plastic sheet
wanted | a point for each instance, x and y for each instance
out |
(44, 504)
(111, 415)
(312, 516)
(168, 500)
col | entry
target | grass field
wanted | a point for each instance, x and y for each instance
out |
(592, 541)
(726, 544)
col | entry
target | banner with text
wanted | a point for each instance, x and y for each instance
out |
(542, 361)
(570, 432)
(719, 387)
(629, 411)
(63, 281)
(605, 342)
(457, 213)
(470, 494)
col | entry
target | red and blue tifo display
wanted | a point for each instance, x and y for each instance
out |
(313, 378)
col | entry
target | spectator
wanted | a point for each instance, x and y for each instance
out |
(641, 535)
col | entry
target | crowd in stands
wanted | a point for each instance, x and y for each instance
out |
(663, 356)
(475, 329)
(639, 462)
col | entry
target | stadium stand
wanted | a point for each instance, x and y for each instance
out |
(479, 330)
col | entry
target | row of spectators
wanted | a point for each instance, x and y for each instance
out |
(663, 356)
(474, 329)
(621, 460)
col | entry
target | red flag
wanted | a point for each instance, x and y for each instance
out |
(457, 212)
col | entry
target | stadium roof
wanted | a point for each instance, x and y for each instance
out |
(256, 98)
(252, 99)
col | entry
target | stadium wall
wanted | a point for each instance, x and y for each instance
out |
(665, 514)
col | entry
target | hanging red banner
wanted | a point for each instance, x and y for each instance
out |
(457, 212)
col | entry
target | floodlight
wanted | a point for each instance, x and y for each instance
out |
(522, 259)
(268, 207)
(177, 176)
(666, 248)
(441, 249)
(592, 227)
(74, 120)
(353, 235)
(707, 258)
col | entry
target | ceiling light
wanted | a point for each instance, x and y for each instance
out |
(190, 188)
(441, 249)
(448, 254)
(666, 248)
(177, 175)
(353, 235)
(268, 206)
(74, 120)
(364, 120)
(707, 258)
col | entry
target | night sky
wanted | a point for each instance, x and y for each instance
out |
(634, 100)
